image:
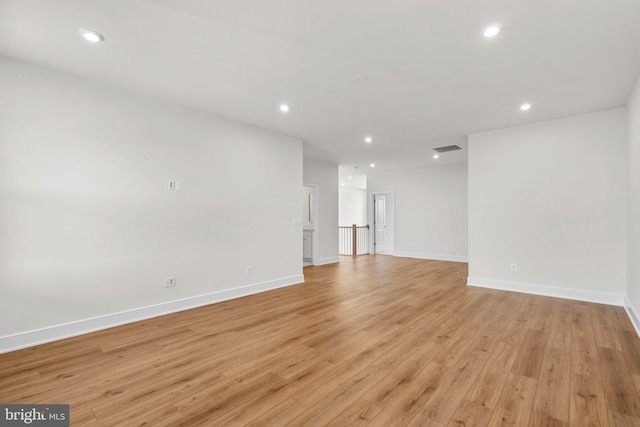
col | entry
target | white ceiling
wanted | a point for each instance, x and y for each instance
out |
(433, 77)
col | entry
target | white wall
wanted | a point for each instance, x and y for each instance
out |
(633, 214)
(325, 175)
(352, 206)
(430, 208)
(87, 225)
(551, 197)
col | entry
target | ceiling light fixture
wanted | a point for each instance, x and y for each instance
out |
(436, 156)
(491, 31)
(373, 165)
(360, 77)
(526, 106)
(91, 35)
(350, 177)
(368, 139)
(284, 108)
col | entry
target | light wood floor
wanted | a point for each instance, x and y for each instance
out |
(375, 341)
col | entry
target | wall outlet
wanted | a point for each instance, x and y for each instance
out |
(248, 269)
(171, 185)
(514, 266)
(169, 282)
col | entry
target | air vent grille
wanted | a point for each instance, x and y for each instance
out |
(447, 148)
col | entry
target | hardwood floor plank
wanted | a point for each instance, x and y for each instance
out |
(581, 316)
(561, 326)
(622, 420)
(339, 399)
(402, 408)
(620, 390)
(620, 319)
(457, 346)
(516, 401)
(531, 354)
(280, 415)
(587, 406)
(516, 329)
(584, 353)
(471, 414)
(630, 350)
(541, 419)
(543, 315)
(603, 327)
(444, 402)
(488, 386)
(554, 386)
(359, 413)
(395, 384)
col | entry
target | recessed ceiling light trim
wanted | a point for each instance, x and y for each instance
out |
(491, 31)
(373, 165)
(368, 140)
(284, 108)
(91, 35)
(526, 106)
(360, 77)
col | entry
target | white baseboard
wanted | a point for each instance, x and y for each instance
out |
(549, 291)
(330, 260)
(437, 257)
(58, 332)
(633, 315)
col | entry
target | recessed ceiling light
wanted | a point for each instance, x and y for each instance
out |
(91, 35)
(373, 165)
(491, 31)
(526, 106)
(350, 177)
(284, 108)
(436, 156)
(343, 184)
(368, 139)
(360, 77)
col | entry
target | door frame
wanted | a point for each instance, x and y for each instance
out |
(370, 216)
(315, 244)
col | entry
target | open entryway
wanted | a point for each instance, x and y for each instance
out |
(352, 212)
(309, 224)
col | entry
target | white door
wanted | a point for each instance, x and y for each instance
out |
(379, 222)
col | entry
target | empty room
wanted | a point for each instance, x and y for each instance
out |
(319, 213)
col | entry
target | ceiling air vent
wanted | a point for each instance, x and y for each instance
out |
(447, 148)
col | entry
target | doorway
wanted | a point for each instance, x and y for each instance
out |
(309, 224)
(382, 218)
(379, 222)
